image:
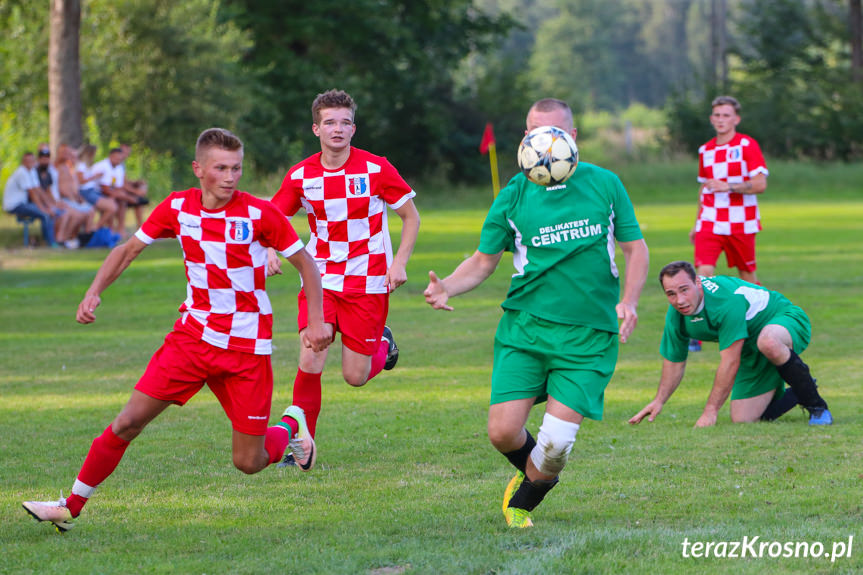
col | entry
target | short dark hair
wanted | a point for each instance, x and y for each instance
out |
(726, 101)
(115, 151)
(674, 268)
(549, 105)
(217, 138)
(332, 99)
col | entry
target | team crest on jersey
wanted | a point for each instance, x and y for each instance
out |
(734, 154)
(358, 185)
(239, 231)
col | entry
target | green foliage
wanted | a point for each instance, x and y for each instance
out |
(395, 57)
(157, 73)
(792, 75)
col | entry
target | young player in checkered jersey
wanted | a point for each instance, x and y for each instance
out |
(223, 337)
(345, 192)
(731, 173)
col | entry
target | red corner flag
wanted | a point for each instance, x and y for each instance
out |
(487, 139)
(487, 146)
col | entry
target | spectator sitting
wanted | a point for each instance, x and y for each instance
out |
(112, 184)
(23, 196)
(81, 212)
(88, 181)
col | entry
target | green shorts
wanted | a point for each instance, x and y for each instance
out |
(757, 375)
(534, 357)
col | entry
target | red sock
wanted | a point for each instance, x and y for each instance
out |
(276, 441)
(105, 454)
(379, 358)
(307, 394)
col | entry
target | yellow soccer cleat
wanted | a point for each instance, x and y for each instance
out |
(517, 518)
(511, 488)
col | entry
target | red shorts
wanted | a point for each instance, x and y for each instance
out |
(359, 317)
(242, 382)
(739, 250)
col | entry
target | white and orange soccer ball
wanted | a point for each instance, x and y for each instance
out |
(548, 156)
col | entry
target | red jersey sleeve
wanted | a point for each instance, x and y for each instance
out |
(287, 199)
(755, 163)
(278, 233)
(394, 190)
(162, 222)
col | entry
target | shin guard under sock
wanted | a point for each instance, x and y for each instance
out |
(105, 454)
(531, 493)
(518, 457)
(781, 406)
(796, 374)
(307, 394)
(379, 358)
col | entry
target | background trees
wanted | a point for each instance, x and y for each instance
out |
(428, 74)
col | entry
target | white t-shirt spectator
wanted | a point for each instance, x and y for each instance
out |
(113, 176)
(17, 186)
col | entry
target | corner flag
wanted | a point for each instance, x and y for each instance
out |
(488, 146)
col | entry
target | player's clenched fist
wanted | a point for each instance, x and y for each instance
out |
(436, 294)
(86, 308)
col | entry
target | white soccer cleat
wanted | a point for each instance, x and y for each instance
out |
(303, 445)
(54, 511)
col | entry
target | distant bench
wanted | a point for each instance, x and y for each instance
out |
(25, 221)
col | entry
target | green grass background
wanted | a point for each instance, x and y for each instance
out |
(406, 480)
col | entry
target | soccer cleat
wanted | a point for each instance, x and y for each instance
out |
(511, 488)
(288, 460)
(694, 345)
(54, 511)
(303, 445)
(820, 416)
(517, 518)
(393, 351)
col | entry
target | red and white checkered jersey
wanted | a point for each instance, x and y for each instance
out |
(347, 213)
(729, 213)
(225, 253)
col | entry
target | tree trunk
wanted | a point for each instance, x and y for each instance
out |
(718, 45)
(856, 25)
(64, 74)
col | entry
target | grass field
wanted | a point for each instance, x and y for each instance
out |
(406, 480)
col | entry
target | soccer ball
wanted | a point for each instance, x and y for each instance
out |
(548, 156)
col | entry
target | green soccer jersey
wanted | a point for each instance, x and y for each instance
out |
(733, 309)
(563, 240)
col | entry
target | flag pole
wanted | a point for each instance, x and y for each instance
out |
(488, 146)
(492, 158)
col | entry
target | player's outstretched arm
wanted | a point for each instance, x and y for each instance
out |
(723, 381)
(397, 273)
(672, 375)
(637, 263)
(117, 261)
(469, 274)
(317, 335)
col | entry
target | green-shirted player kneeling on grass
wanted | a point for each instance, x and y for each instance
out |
(558, 337)
(760, 333)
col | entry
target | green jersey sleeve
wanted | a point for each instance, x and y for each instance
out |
(675, 344)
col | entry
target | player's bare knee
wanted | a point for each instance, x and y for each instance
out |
(127, 427)
(355, 380)
(503, 435)
(772, 346)
(553, 444)
(246, 464)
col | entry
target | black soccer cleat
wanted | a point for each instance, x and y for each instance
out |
(393, 351)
